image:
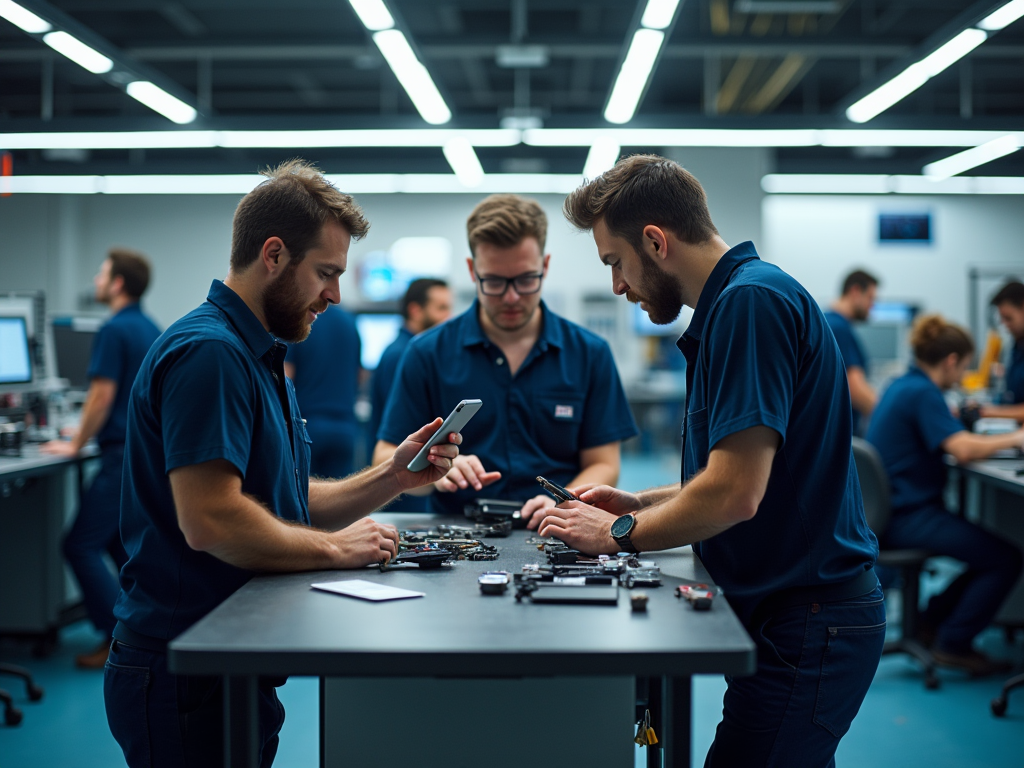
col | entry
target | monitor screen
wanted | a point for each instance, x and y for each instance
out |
(15, 360)
(72, 348)
(376, 332)
(905, 227)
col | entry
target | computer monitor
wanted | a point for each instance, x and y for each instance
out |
(376, 332)
(15, 359)
(72, 348)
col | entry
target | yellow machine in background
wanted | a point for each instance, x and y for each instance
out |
(979, 379)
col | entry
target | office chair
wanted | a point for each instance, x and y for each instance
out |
(874, 486)
(13, 715)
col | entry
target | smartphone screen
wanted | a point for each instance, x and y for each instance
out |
(456, 420)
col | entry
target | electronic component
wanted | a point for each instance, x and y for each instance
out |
(493, 582)
(638, 602)
(698, 595)
(495, 511)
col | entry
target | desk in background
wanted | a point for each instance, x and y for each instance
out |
(582, 662)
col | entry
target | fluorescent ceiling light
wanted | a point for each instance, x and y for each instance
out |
(603, 155)
(971, 158)
(658, 13)
(159, 100)
(413, 76)
(373, 13)
(23, 19)
(78, 52)
(865, 184)
(914, 76)
(462, 158)
(1005, 16)
(632, 79)
(788, 6)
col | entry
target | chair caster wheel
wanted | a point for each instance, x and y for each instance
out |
(35, 693)
(13, 716)
(998, 706)
(931, 682)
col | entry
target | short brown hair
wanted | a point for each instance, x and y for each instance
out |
(859, 279)
(642, 190)
(505, 221)
(1011, 293)
(293, 204)
(933, 339)
(133, 269)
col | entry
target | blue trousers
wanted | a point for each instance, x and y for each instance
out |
(162, 720)
(971, 601)
(95, 534)
(815, 664)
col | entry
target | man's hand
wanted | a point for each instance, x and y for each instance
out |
(365, 542)
(466, 471)
(607, 498)
(534, 509)
(441, 456)
(64, 448)
(581, 526)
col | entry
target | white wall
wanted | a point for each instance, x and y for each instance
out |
(819, 239)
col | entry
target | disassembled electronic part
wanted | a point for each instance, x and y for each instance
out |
(698, 595)
(493, 582)
(638, 601)
(495, 511)
(557, 492)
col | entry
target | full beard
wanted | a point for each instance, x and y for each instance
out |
(285, 310)
(660, 291)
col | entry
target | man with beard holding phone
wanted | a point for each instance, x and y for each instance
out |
(216, 469)
(769, 496)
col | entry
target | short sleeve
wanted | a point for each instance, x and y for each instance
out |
(207, 407)
(752, 352)
(934, 419)
(608, 418)
(107, 359)
(408, 405)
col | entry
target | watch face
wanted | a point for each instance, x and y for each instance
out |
(623, 526)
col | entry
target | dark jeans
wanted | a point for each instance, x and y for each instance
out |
(162, 720)
(972, 601)
(95, 534)
(815, 664)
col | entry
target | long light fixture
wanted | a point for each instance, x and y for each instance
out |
(80, 53)
(462, 158)
(971, 158)
(159, 100)
(604, 153)
(641, 56)
(1005, 16)
(868, 184)
(373, 13)
(23, 18)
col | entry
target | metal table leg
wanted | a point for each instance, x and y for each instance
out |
(241, 726)
(670, 705)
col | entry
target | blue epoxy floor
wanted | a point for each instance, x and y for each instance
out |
(901, 724)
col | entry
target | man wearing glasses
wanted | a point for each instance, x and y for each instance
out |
(553, 401)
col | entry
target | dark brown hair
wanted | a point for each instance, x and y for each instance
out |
(858, 279)
(933, 339)
(1011, 293)
(132, 267)
(505, 221)
(293, 204)
(418, 292)
(642, 190)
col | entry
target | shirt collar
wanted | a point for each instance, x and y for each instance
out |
(246, 324)
(471, 333)
(714, 286)
(132, 307)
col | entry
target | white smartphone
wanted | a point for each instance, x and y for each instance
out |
(456, 420)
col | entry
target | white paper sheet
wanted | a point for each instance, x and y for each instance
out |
(367, 590)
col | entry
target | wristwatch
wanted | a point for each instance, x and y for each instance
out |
(621, 529)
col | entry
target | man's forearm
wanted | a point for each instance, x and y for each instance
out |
(658, 495)
(705, 507)
(336, 503)
(1004, 411)
(599, 473)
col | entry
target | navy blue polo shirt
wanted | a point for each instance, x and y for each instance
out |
(909, 425)
(759, 353)
(849, 348)
(117, 353)
(384, 377)
(1015, 374)
(327, 367)
(212, 387)
(565, 397)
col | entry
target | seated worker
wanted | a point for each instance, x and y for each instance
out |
(859, 289)
(553, 403)
(325, 370)
(1009, 302)
(216, 470)
(117, 353)
(427, 302)
(912, 428)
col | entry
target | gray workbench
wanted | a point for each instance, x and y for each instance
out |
(278, 625)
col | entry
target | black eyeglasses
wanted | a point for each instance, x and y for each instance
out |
(524, 284)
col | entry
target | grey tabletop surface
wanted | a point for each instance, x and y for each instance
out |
(32, 460)
(1003, 472)
(279, 625)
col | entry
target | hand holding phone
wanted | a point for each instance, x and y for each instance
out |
(456, 420)
(559, 493)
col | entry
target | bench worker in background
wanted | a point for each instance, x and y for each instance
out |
(859, 290)
(216, 472)
(769, 498)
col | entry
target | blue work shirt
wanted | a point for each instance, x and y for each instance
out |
(384, 377)
(908, 428)
(327, 367)
(1015, 374)
(849, 348)
(212, 387)
(565, 397)
(759, 353)
(117, 353)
